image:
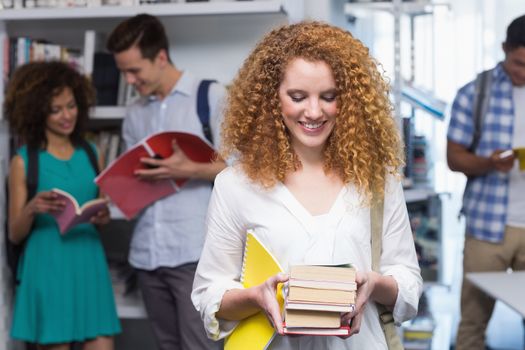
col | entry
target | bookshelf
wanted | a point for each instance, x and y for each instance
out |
(419, 191)
(163, 10)
(211, 39)
(197, 29)
(410, 101)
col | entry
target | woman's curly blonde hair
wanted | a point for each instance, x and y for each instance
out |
(364, 145)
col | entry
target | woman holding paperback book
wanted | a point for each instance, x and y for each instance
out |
(310, 126)
(63, 292)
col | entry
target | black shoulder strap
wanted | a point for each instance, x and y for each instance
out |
(32, 166)
(91, 154)
(480, 105)
(32, 171)
(203, 107)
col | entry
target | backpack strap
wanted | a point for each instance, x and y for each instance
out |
(90, 153)
(203, 107)
(32, 165)
(376, 239)
(32, 171)
(15, 251)
(480, 105)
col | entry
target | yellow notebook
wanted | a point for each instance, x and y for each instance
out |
(255, 332)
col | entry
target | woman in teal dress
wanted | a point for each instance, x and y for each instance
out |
(64, 292)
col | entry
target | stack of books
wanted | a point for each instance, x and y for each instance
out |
(316, 297)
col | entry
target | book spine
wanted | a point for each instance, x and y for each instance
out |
(89, 51)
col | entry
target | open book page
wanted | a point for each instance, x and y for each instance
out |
(72, 214)
(127, 191)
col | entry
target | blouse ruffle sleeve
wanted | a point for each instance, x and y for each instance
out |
(220, 264)
(398, 258)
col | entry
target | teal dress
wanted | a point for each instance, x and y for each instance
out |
(64, 292)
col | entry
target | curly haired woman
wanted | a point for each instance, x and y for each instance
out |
(64, 293)
(310, 127)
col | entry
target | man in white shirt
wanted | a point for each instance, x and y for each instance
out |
(169, 235)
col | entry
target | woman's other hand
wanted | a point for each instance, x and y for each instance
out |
(45, 202)
(365, 287)
(102, 217)
(266, 298)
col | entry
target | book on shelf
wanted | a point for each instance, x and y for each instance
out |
(73, 214)
(90, 38)
(131, 194)
(112, 147)
(21, 50)
(255, 332)
(105, 79)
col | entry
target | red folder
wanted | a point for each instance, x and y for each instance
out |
(127, 191)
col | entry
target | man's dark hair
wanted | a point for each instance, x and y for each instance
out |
(516, 33)
(143, 30)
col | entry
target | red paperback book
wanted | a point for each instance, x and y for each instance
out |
(127, 191)
(73, 214)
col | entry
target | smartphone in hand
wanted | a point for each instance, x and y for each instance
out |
(506, 154)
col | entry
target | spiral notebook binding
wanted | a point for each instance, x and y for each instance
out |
(245, 254)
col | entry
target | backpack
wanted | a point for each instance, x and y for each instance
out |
(14, 251)
(203, 108)
(480, 105)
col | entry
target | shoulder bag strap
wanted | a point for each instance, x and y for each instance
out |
(385, 316)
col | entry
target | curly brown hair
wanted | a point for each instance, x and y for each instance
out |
(30, 93)
(364, 146)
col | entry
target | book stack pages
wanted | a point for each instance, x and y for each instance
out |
(316, 297)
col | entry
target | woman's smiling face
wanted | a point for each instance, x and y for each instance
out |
(308, 103)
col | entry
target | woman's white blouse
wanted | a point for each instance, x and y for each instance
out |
(294, 236)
